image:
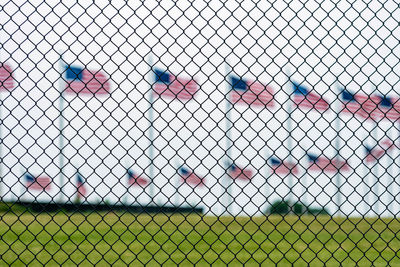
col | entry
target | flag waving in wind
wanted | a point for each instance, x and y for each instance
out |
(170, 86)
(355, 104)
(251, 93)
(321, 163)
(6, 77)
(190, 177)
(283, 167)
(374, 154)
(385, 108)
(80, 187)
(134, 179)
(236, 172)
(37, 183)
(82, 81)
(307, 99)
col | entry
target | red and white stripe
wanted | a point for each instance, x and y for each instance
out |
(396, 108)
(376, 153)
(193, 180)
(310, 101)
(6, 77)
(378, 112)
(41, 183)
(388, 144)
(184, 89)
(138, 181)
(358, 106)
(93, 82)
(81, 190)
(256, 94)
(240, 174)
(328, 166)
(285, 168)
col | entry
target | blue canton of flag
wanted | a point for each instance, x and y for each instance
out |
(80, 187)
(385, 108)
(190, 177)
(251, 93)
(170, 86)
(307, 99)
(283, 168)
(37, 183)
(356, 104)
(82, 81)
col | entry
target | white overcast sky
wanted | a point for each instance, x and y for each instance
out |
(319, 43)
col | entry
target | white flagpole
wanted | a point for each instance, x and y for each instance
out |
(126, 175)
(23, 187)
(228, 182)
(337, 158)
(305, 189)
(304, 184)
(61, 126)
(267, 177)
(150, 78)
(375, 179)
(365, 179)
(369, 183)
(289, 130)
(177, 184)
(370, 174)
(391, 180)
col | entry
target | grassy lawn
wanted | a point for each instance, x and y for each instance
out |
(120, 239)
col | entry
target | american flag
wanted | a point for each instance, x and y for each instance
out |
(251, 93)
(283, 167)
(236, 172)
(170, 86)
(374, 154)
(190, 177)
(383, 107)
(134, 179)
(321, 163)
(6, 77)
(388, 144)
(355, 104)
(83, 81)
(306, 99)
(80, 187)
(37, 183)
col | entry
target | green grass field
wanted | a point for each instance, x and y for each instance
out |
(117, 238)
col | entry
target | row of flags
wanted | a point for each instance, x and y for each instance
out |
(317, 163)
(44, 183)
(83, 81)
(243, 91)
(77, 80)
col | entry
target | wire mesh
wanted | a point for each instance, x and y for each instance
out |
(205, 132)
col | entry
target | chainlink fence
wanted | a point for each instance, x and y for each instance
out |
(199, 133)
